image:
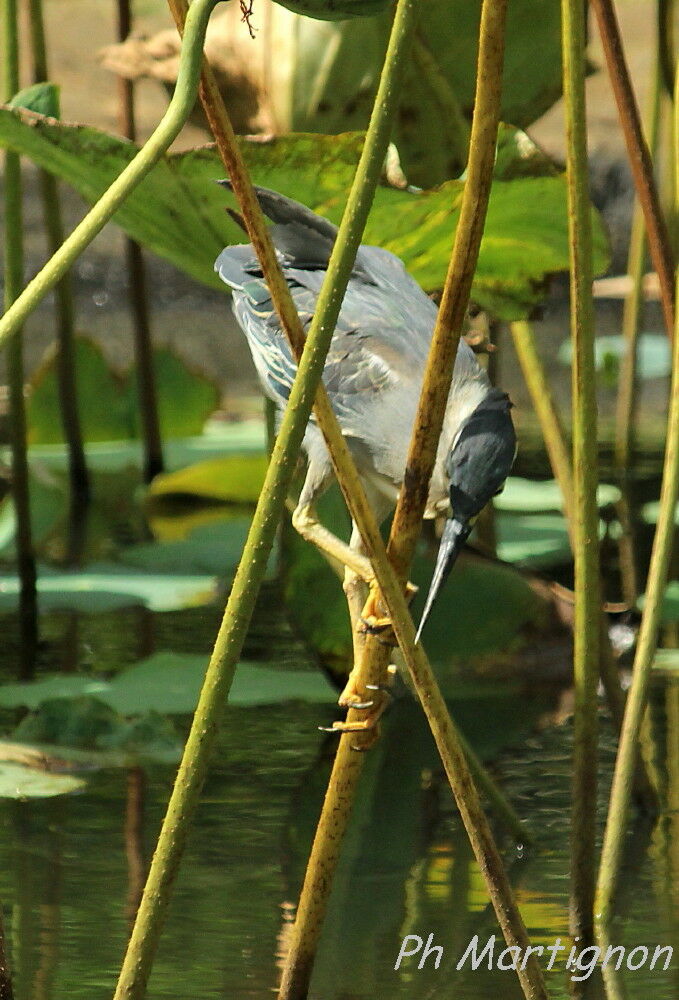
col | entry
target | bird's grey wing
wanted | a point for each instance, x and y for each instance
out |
(252, 305)
(373, 344)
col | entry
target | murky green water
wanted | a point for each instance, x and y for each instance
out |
(71, 868)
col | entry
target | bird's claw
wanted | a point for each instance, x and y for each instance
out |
(368, 726)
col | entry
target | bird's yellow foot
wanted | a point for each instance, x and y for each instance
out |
(374, 700)
(374, 621)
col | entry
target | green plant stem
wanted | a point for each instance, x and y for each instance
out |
(457, 126)
(168, 129)
(616, 824)
(636, 261)
(639, 157)
(6, 988)
(626, 402)
(14, 267)
(545, 408)
(586, 519)
(136, 272)
(66, 368)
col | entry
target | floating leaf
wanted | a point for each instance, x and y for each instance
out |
(107, 588)
(171, 683)
(114, 456)
(654, 359)
(178, 211)
(108, 403)
(529, 495)
(50, 688)
(18, 782)
(164, 682)
(213, 548)
(670, 603)
(532, 539)
(651, 510)
(234, 479)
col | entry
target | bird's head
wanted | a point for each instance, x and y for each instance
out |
(479, 461)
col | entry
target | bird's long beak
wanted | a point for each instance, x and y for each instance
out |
(455, 534)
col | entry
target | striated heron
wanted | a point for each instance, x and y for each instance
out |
(373, 376)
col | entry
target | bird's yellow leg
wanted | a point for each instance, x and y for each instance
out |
(374, 619)
(306, 522)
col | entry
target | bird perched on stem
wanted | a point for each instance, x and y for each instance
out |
(373, 376)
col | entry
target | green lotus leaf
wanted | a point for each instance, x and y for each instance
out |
(178, 212)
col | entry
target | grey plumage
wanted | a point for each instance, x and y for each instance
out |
(373, 372)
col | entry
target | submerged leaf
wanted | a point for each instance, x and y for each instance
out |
(178, 211)
(88, 723)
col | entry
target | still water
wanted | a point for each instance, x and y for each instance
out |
(71, 868)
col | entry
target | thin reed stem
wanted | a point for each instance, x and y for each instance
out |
(586, 518)
(636, 265)
(14, 276)
(618, 812)
(639, 157)
(138, 294)
(548, 416)
(65, 311)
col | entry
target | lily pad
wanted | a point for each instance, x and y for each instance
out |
(651, 510)
(670, 603)
(107, 588)
(179, 213)
(213, 548)
(217, 440)
(537, 540)
(233, 479)
(17, 782)
(530, 495)
(654, 358)
(168, 683)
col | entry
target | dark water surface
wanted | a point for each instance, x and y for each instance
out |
(71, 868)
